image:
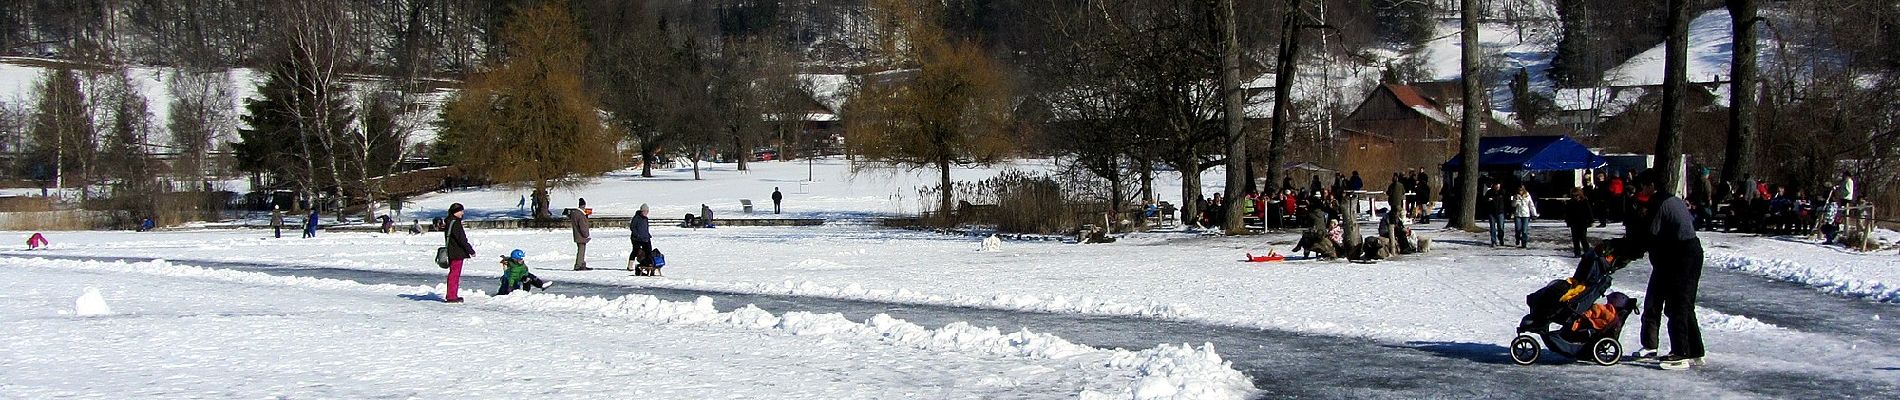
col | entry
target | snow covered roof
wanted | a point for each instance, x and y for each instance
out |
(830, 90)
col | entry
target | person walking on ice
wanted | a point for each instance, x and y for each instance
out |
(777, 198)
(642, 239)
(1675, 254)
(310, 224)
(577, 218)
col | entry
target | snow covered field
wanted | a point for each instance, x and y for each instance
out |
(1463, 294)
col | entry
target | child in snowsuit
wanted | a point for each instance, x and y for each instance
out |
(515, 274)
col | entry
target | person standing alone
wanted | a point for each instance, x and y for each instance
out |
(456, 240)
(776, 199)
(577, 217)
(1578, 216)
(1675, 254)
(277, 222)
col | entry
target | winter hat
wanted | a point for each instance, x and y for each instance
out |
(1618, 299)
(455, 207)
(518, 254)
(643, 207)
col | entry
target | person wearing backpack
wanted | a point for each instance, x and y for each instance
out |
(456, 240)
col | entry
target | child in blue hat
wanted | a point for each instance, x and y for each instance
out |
(515, 274)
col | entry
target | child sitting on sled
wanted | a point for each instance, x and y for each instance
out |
(515, 274)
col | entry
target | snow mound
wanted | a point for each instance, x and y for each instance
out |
(1825, 280)
(91, 303)
(1177, 372)
(1164, 372)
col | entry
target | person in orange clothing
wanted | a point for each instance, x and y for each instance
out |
(1600, 317)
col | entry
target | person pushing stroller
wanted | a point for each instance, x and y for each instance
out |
(1586, 330)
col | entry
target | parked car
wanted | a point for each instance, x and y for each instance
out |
(765, 155)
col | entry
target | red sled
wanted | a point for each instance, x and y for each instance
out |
(1270, 257)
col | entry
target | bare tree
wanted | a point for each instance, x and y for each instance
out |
(1472, 128)
(956, 111)
(1738, 158)
(1675, 83)
(1235, 101)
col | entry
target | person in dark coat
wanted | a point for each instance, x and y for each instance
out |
(777, 198)
(705, 217)
(642, 240)
(577, 219)
(459, 249)
(1425, 195)
(1355, 184)
(310, 224)
(1497, 205)
(1578, 216)
(1395, 195)
(1675, 253)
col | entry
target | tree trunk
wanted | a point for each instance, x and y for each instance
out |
(1282, 90)
(944, 197)
(647, 158)
(1147, 172)
(1472, 128)
(739, 151)
(1237, 183)
(540, 200)
(1739, 156)
(1675, 79)
(1190, 191)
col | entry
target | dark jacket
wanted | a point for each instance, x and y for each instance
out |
(311, 223)
(777, 197)
(1501, 202)
(457, 240)
(1578, 213)
(578, 219)
(639, 228)
(1672, 224)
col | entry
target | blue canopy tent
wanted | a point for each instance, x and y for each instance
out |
(1530, 153)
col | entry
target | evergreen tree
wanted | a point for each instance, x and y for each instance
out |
(135, 185)
(285, 142)
(64, 138)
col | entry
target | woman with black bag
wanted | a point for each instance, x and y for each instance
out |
(456, 241)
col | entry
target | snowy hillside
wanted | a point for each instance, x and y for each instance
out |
(20, 78)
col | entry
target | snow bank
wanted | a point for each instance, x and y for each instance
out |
(1164, 372)
(91, 303)
(1824, 279)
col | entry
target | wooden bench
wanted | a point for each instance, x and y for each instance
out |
(746, 204)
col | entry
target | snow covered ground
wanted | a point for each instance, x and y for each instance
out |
(1463, 294)
(183, 331)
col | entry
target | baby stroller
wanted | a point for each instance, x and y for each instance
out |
(1586, 330)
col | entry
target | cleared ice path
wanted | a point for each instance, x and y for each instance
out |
(1285, 364)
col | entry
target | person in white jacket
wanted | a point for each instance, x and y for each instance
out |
(1523, 207)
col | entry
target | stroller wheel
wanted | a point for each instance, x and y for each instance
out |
(1606, 351)
(1525, 350)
